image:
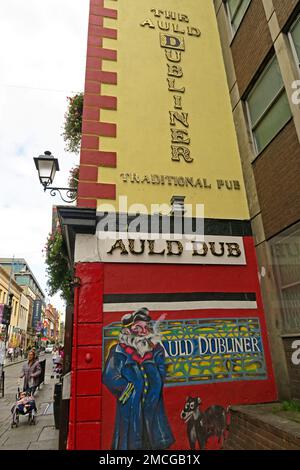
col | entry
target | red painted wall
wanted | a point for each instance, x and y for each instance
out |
(93, 410)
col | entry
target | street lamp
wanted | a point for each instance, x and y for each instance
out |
(47, 166)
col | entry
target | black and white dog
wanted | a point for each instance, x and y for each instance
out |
(203, 424)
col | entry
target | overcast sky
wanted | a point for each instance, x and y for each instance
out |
(42, 61)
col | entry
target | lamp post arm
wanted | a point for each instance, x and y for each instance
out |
(70, 193)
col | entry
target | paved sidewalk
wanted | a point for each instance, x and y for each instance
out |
(8, 362)
(43, 435)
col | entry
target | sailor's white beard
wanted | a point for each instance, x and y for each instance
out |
(142, 344)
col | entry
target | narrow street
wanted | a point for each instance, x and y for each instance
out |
(43, 435)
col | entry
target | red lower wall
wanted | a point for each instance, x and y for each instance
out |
(92, 416)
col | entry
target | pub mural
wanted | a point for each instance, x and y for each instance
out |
(142, 357)
(169, 325)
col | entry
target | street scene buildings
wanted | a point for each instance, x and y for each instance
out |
(32, 322)
(177, 245)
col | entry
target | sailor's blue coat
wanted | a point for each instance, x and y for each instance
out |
(141, 422)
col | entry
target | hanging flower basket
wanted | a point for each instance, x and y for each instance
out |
(73, 123)
(57, 266)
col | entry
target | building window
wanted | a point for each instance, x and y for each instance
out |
(267, 105)
(294, 36)
(236, 12)
(286, 258)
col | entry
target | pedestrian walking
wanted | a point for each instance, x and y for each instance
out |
(10, 353)
(31, 372)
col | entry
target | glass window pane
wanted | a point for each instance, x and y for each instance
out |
(291, 306)
(286, 260)
(295, 33)
(233, 5)
(265, 91)
(274, 120)
(240, 14)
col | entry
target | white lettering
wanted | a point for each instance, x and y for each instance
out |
(296, 94)
(296, 354)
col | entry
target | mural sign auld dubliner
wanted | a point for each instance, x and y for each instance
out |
(170, 303)
(206, 350)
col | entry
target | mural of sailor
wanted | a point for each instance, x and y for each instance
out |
(134, 373)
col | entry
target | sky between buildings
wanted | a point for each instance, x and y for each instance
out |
(42, 61)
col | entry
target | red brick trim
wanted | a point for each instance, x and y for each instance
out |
(97, 3)
(90, 142)
(105, 102)
(88, 173)
(98, 190)
(107, 12)
(102, 77)
(99, 128)
(92, 157)
(107, 54)
(84, 202)
(91, 114)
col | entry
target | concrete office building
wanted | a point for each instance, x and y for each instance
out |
(261, 49)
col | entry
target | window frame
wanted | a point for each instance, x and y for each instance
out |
(292, 43)
(268, 108)
(285, 329)
(231, 18)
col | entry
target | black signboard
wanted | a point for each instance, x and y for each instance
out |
(37, 313)
(6, 315)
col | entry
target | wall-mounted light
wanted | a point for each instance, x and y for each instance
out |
(47, 166)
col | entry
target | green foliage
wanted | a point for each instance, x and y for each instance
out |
(58, 270)
(73, 179)
(73, 123)
(292, 405)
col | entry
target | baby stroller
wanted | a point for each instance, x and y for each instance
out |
(57, 367)
(25, 406)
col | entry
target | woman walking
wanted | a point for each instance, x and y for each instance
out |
(31, 371)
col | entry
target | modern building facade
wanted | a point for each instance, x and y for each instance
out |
(261, 50)
(21, 274)
(51, 324)
(167, 298)
(9, 287)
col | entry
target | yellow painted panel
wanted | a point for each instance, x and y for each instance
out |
(109, 43)
(109, 66)
(108, 115)
(143, 142)
(111, 4)
(108, 90)
(110, 23)
(107, 144)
